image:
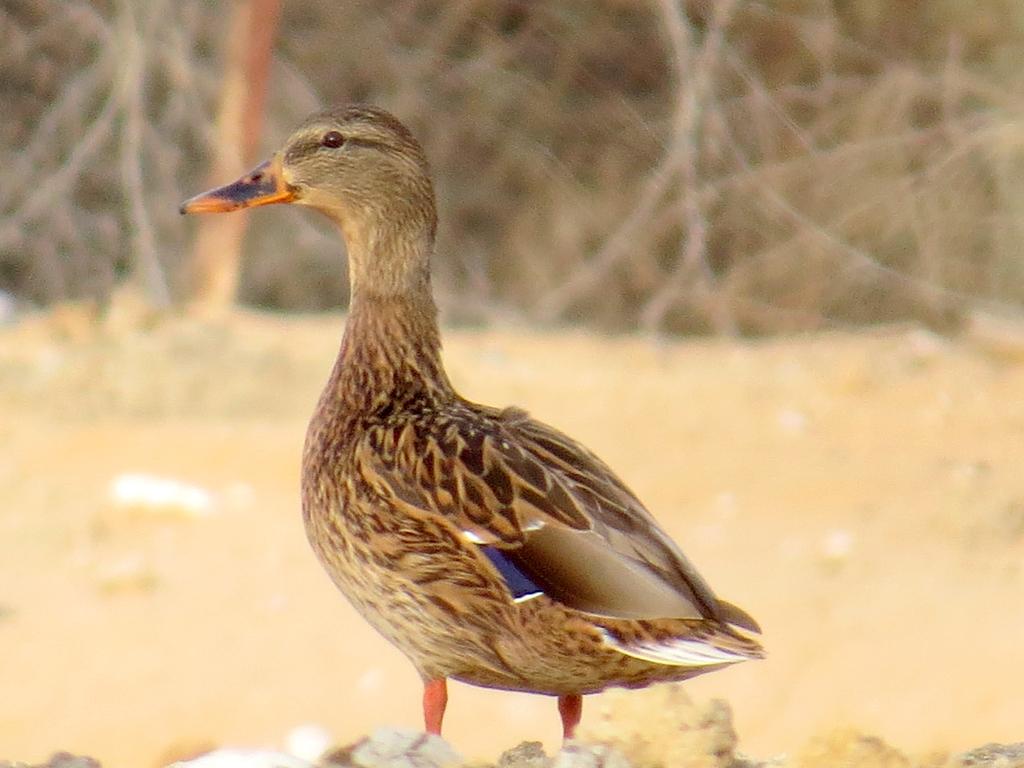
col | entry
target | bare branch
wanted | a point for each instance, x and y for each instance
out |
(130, 87)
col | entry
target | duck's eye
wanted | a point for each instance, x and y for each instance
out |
(332, 139)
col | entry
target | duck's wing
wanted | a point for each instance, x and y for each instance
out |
(551, 517)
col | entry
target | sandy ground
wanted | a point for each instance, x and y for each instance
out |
(861, 495)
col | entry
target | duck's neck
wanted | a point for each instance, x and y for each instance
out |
(391, 349)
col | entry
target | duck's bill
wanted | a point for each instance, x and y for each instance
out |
(263, 185)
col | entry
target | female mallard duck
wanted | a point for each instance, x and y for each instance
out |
(487, 546)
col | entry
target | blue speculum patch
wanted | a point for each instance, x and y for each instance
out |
(519, 584)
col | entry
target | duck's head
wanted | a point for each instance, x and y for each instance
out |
(358, 165)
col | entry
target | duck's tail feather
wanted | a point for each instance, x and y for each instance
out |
(702, 645)
(733, 614)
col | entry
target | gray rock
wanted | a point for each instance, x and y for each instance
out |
(59, 760)
(395, 748)
(992, 756)
(529, 754)
(576, 754)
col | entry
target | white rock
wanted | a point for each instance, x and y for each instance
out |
(244, 758)
(575, 754)
(308, 742)
(160, 494)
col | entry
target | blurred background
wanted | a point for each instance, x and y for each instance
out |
(730, 167)
(765, 258)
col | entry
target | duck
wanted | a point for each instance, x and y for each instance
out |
(487, 546)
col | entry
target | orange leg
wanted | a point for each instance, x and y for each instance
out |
(435, 699)
(571, 709)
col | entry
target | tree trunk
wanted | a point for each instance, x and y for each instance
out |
(217, 252)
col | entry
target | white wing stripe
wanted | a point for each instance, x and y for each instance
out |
(528, 596)
(680, 652)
